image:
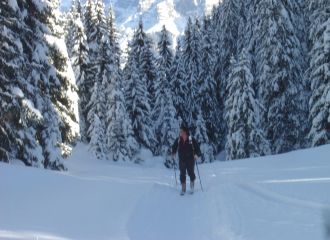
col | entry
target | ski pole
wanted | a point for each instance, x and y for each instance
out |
(175, 172)
(199, 175)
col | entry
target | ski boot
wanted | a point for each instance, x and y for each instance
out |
(192, 184)
(183, 190)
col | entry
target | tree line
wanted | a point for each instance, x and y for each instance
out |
(252, 78)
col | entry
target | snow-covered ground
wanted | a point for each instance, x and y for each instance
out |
(278, 197)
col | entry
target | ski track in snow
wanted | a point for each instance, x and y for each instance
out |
(283, 197)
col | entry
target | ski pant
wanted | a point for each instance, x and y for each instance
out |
(187, 165)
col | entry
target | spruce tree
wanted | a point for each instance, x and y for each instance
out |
(96, 118)
(319, 73)
(191, 57)
(121, 144)
(50, 137)
(168, 129)
(113, 38)
(177, 85)
(70, 27)
(207, 96)
(9, 61)
(226, 37)
(138, 107)
(165, 52)
(64, 96)
(282, 89)
(18, 115)
(80, 63)
(245, 138)
(201, 136)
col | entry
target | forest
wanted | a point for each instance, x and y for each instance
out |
(253, 78)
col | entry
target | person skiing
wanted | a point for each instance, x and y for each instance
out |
(188, 151)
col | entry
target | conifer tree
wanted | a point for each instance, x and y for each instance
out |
(319, 73)
(177, 85)
(191, 58)
(79, 10)
(138, 107)
(121, 143)
(80, 63)
(168, 129)
(282, 89)
(165, 52)
(50, 138)
(91, 68)
(161, 85)
(64, 96)
(113, 37)
(96, 118)
(18, 115)
(70, 27)
(10, 53)
(245, 138)
(148, 68)
(202, 139)
(207, 96)
(226, 37)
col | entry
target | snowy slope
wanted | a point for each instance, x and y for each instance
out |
(277, 197)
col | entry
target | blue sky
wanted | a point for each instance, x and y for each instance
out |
(65, 5)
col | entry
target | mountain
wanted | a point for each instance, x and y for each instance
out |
(154, 13)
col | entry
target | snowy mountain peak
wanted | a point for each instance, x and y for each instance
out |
(154, 13)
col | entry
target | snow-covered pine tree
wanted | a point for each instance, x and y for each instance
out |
(226, 36)
(207, 96)
(148, 68)
(201, 136)
(138, 108)
(242, 41)
(161, 87)
(64, 96)
(245, 138)
(79, 10)
(80, 63)
(18, 117)
(282, 89)
(50, 137)
(177, 85)
(69, 28)
(251, 29)
(165, 51)
(91, 68)
(96, 118)
(9, 62)
(37, 72)
(114, 37)
(191, 55)
(97, 145)
(169, 129)
(121, 144)
(319, 72)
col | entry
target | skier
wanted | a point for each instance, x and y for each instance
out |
(188, 152)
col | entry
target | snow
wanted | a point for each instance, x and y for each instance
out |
(29, 105)
(13, 4)
(18, 92)
(275, 197)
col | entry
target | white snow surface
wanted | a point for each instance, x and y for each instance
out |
(275, 197)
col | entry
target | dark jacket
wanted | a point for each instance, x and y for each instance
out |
(188, 151)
